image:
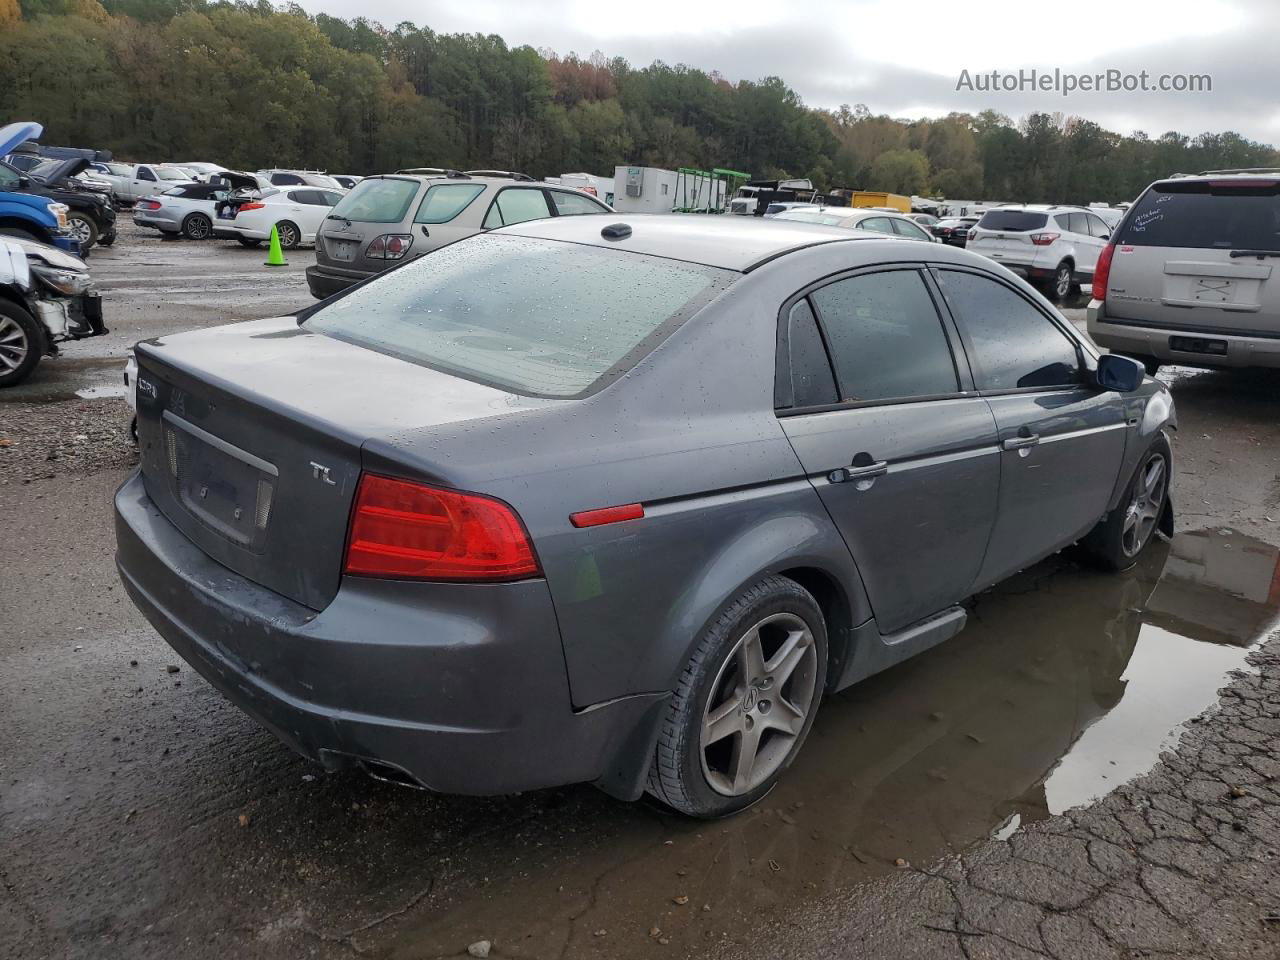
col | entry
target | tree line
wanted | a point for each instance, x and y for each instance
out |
(252, 85)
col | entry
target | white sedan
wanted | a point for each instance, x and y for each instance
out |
(296, 212)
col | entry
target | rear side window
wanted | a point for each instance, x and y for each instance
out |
(516, 206)
(1012, 220)
(377, 201)
(812, 382)
(444, 201)
(1211, 214)
(1013, 345)
(906, 228)
(523, 314)
(886, 338)
(876, 224)
(1097, 226)
(573, 204)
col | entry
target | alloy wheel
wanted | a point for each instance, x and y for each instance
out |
(1062, 282)
(199, 228)
(758, 705)
(81, 230)
(1143, 511)
(288, 235)
(13, 344)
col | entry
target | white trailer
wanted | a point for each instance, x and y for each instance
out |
(654, 190)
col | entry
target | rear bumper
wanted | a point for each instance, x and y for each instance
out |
(157, 220)
(461, 688)
(1154, 340)
(325, 283)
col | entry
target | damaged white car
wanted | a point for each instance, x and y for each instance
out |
(46, 297)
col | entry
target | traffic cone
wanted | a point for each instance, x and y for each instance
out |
(276, 257)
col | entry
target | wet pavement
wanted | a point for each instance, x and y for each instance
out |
(142, 816)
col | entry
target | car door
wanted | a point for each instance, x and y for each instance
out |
(439, 218)
(900, 449)
(1062, 438)
(144, 183)
(308, 208)
(1087, 246)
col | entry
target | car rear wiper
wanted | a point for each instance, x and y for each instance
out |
(1254, 253)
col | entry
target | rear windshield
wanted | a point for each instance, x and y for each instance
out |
(1012, 220)
(533, 316)
(377, 201)
(1206, 214)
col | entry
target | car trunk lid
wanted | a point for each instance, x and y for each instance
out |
(1200, 254)
(251, 439)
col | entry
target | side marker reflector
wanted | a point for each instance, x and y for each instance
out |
(596, 518)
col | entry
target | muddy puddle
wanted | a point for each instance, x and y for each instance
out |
(1065, 684)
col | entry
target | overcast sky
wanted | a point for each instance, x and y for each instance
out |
(904, 57)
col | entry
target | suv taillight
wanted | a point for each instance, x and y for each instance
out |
(407, 530)
(1102, 272)
(390, 246)
(1043, 239)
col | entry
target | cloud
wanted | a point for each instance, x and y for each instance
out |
(877, 52)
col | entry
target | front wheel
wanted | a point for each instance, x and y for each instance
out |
(290, 235)
(83, 230)
(1120, 537)
(744, 703)
(22, 343)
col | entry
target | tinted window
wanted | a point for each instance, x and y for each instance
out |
(908, 229)
(572, 204)
(812, 382)
(144, 173)
(377, 201)
(444, 201)
(885, 337)
(1200, 213)
(878, 224)
(311, 198)
(1014, 345)
(523, 313)
(516, 206)
(1012, 220)
(286, 179)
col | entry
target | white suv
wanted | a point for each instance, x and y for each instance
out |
(1055, 247)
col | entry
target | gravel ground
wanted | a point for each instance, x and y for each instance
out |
(43, 440)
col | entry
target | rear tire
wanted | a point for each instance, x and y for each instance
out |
(1121, 536)
(290, 235)
(1057, 286)
(744, 703)
(197, 227)
(22, 343)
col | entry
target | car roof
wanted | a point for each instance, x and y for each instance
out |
(728, 242)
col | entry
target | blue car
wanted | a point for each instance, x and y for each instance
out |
(24, 215)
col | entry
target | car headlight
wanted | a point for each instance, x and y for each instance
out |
(60, 211)
(70, 282)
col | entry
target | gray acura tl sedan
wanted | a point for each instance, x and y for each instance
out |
(618, 502)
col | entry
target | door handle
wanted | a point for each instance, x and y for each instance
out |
(862, 471)
(1022, 441)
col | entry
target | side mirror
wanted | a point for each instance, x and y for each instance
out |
(1121, 374)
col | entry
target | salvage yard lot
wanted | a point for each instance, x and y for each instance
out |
(143, 816)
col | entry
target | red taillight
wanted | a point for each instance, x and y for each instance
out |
(408, 530)
(1102, 272)
(595, 518)
(389, 246)
(1043, 239)
(250, 206)
(149, 204)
